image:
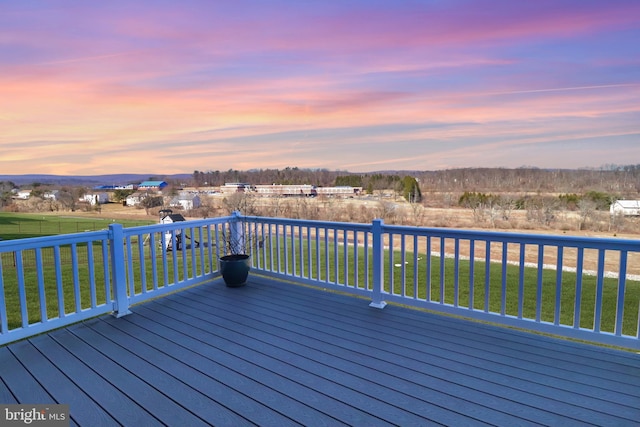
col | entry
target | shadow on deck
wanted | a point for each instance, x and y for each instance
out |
(276, 354)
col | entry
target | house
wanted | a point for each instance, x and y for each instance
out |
(625, 208)
(187, 201)
(95, 198)
(51, 195)
(23, 194)
(135, 199)
(152, 185)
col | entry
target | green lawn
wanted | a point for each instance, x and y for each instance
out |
(20, 226)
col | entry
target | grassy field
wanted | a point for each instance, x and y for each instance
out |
(20, 226)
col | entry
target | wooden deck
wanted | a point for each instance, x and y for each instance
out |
(277, 354)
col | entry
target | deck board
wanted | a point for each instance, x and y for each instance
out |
(276, 354)
(353, 357)
(116, 346)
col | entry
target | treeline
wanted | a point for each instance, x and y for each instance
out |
(287, 176)
(5, 192)
(623, 180)
(593, 199)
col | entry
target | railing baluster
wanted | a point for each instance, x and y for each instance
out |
(210, 252)
(428, 269)
(336, 264)
(521, 270)
(559, 263)
(622, 282)
(4, 324)
(143, 265)
(183, 252)
(58, 268)
(154, 260)
(487, 275)
(345, 257)
(578, 299)
(456, 272)
(22, 292)
(472, 280)
(367, 283)
(294, 258)
(443, 256)
(92, 275)
(391, 274)
(599, 289)
(503, 284)
(201, 245)
(356, 264)
(192, 241)
(174, 256)
(403, 263)
(286, 251)
(539, 283)
(165, 260)
(41, 291)
(129, 260)
(301, 251)
(416, 253)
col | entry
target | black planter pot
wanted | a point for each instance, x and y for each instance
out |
(235, 269)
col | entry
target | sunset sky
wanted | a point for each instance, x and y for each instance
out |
(168, 87)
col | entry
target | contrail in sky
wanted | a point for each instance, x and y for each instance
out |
(561, 89)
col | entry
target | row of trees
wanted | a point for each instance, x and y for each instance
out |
(287, 176)
(540, 209)
(624, 180)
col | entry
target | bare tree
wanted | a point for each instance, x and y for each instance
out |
(586, 209)
(242, 202)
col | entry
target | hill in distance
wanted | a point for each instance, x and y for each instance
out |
(87, 180)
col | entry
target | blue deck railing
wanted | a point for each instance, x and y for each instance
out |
(584, 288)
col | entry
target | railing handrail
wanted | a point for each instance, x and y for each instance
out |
(61, 239)
(517, 237)
(307, 223)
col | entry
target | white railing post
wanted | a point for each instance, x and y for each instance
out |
(236, 234)
(378, 263)
(119, 274)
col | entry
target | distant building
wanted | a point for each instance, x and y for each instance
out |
(186, 201)
(135, 199)
(625, 208)
(152, 185)
(236, 187)
(340, 191)
(113, 187)
(278, 190)
(95, 198)
(51, 195)
(23, 194)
